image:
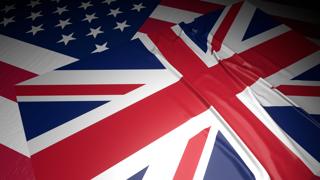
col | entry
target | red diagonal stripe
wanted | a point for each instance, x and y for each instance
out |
(191, 156)
(9, 76)
(92, 89)
(294, 90)
(225, 26)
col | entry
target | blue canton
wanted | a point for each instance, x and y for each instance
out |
(74, 28)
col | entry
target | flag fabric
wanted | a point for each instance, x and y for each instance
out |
(26, 52)
(232, 94)
(231, 49)
(103, 119)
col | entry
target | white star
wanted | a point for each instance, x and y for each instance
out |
(108, 1)
(138, 7)
(35, 29)
(121, 26)
(66, 38)
(114, 12)
(34, 16)
(63, 23)
(34, 3)
(89, 18)
(85, 5)
(61, 10)
(100, 48)
(6, 21)
(8, 8)
(95, 32)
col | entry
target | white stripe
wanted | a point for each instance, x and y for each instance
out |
(311, 104)
(249, 98)
(287, 11)
(30, 57)
(283, 76)
(302, 83)
(173, 15)
(67, 98)
(66, 77)
(11, 128)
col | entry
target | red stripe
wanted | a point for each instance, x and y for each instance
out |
(9, 76)
(294, 90)
(219, 85)
(14, 165)
(225, 26)
(307, 29)
(192, 5)
(191, 156)
(102, 145)
(92, 89)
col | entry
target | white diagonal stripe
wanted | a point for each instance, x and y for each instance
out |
(284, 76)
(252, 101)
(173, 15)
(30, 57)
(66, 77)
(311, 104)
(11, 128)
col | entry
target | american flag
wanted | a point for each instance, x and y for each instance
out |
(232, 94)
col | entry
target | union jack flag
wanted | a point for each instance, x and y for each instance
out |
(243, 62)
(231, 94)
